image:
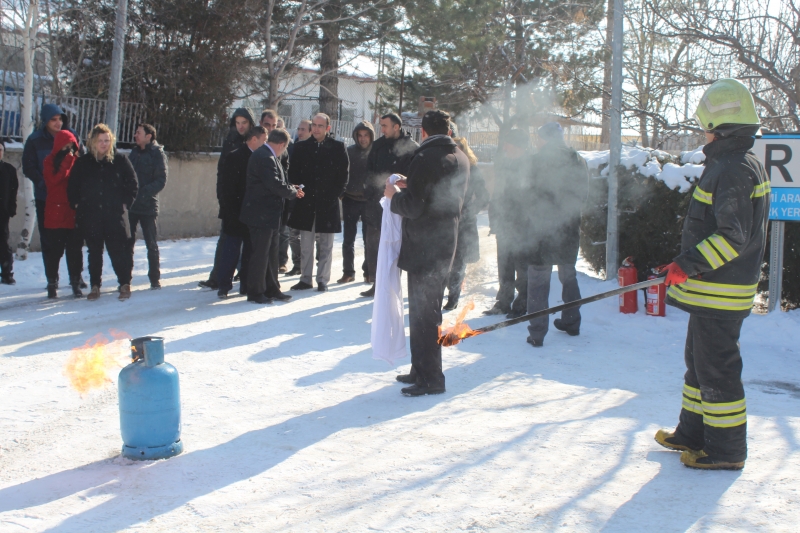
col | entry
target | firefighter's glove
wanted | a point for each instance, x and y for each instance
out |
(675, 275)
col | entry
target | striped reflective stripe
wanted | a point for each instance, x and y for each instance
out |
(710, 254)
(761, 190)
(708, 301)
(691, 400)
(725, 415)
(702, 196)
(720, 289)
(721, 244)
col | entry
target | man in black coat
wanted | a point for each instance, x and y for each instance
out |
(266, 192)
(150, 163)
(236, 241)
(354, 201)
(38, 146)
(320, 164)
(551, 234)
(269, 121)
(512, 173)
(430, 203)
(390, 154)
(9, 185)
(241, 122)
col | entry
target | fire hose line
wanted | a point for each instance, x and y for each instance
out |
(461, 331)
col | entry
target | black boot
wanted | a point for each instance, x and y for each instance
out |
(76, 287)
(452, 303)
(52, 290)
(8, 279)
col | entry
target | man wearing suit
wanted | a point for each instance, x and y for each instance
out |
(430, 203)
(261, 210)
(232, 186)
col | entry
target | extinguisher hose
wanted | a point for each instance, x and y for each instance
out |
(569, 305)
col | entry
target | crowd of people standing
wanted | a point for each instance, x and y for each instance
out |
(283, 199)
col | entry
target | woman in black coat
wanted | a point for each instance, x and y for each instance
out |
(468, 244)
(102, 188)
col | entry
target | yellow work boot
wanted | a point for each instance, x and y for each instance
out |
(700, 460)
(668, 440)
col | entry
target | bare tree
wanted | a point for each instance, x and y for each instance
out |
(757, 40)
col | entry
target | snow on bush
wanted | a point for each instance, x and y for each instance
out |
(675, 172)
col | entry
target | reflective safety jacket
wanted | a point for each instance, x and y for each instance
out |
(724, 233)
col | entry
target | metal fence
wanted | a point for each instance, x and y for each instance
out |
(82, 113)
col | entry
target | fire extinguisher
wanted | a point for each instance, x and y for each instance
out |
(656, 296)
(627, 275)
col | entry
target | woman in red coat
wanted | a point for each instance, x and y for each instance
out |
(59, 217)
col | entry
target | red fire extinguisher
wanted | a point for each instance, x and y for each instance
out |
(627, 275)
(656, 298)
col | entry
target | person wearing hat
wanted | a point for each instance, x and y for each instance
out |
(554, 198)
(59, 216)
(715, 279)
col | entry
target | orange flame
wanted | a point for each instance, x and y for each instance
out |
(87, 367)
(450, 336)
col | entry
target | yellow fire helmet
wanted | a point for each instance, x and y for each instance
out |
(726, 103)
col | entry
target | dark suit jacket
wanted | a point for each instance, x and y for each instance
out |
(431, 206)
(266, 191)
(233, 184)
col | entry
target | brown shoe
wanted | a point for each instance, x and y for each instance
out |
(94, 294)
(345, 279)
(283, 269)
(125, 292)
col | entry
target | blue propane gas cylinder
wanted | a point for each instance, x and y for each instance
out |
(149, 403)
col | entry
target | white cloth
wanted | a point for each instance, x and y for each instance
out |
(388, 330)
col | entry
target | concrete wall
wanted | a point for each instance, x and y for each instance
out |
(187, 206)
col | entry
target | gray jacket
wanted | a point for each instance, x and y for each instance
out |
(150, 165)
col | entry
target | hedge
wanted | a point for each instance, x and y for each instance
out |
(650, 224)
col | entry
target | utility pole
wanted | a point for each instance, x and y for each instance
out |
(615, 144)
(28, 45)
(117, 58)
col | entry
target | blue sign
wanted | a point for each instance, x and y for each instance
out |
(781, 157)
(785, 204)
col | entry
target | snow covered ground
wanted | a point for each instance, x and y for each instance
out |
(290, 425)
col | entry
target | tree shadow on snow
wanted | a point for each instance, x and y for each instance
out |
(197, 473)
(677, 497)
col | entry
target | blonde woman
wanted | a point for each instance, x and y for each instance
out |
(102, 186)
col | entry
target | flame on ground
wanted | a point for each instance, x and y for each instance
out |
(450, 336)
(87, 367)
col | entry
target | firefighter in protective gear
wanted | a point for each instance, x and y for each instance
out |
(714, 279)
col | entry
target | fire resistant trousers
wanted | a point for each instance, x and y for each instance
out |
(713, 415)
(425, 293)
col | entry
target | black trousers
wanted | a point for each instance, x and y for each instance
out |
(212, 276)
(44, 243)
(118, 251)
(455, 279)
(262, 275)
(352, 211)
(513, 274)
(6, 255)
(62, 240)
(150, 233)
(714, 414)
(283, 247)
(371, 243)
(425, 293)
(233, 248)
